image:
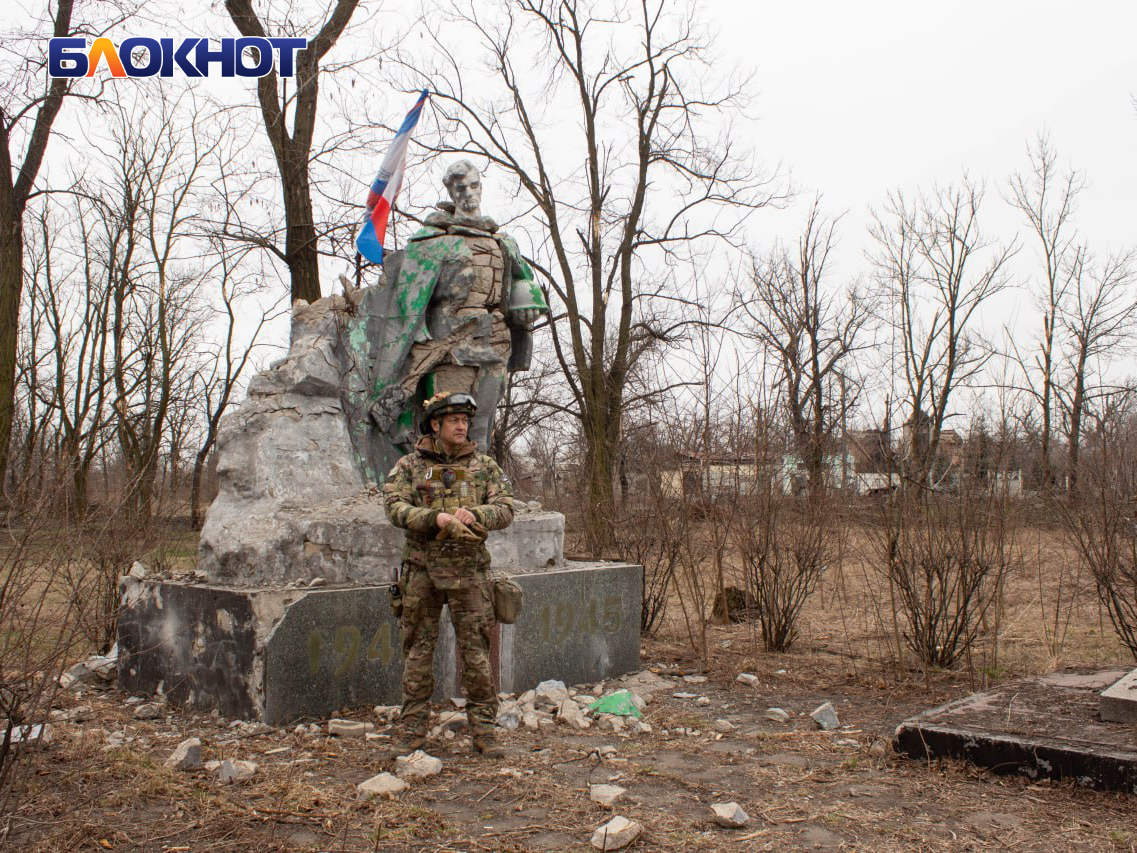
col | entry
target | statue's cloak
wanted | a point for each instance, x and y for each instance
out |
(391, 317)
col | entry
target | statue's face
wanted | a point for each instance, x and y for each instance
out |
(466, 193)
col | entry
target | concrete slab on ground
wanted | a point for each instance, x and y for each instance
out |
(1119, 700)
(1039, 727)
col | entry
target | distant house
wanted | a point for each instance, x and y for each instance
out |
(716, 475)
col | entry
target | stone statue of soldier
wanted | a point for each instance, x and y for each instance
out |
(468, 302)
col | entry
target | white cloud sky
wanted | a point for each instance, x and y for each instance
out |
(860, 98)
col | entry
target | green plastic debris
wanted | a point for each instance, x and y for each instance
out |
(619, 703)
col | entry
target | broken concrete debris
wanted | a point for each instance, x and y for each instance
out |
(417, 765)
(229, 772)
(383, 785)
(616, 834)
(730, 815)
(187, 755)
(349, 728)
(606, 795)
(825, 715)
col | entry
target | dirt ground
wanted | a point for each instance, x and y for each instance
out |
(803, 788)
(101, 784)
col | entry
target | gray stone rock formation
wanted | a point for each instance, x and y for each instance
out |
(295, 501)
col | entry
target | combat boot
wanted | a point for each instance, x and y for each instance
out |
(407, 740)
(485, 743)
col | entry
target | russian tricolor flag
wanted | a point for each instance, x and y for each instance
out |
(385, 188)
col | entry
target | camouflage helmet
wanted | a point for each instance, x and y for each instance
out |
(447, 403)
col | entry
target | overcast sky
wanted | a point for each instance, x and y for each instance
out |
(860, 98)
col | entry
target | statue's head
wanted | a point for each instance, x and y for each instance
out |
(464, 184)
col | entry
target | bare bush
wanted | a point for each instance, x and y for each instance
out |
(1102, 520)
(652, 532)
(39, 632)
(785, 546)
(945, 557)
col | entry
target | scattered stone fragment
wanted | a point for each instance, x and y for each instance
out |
(683, 695)
(617, 833)
(78, 714)
(236, 771)
(847, 741)
(702, 700)
(747, 678)
(606, 795)
(826, 717)
(639, 727)
(300, 729)
(570, 712)
(187, 755)
(645, 682)
(138, 700)
(148, 711)
(317, 582)
(508, 721)
(695, 679)
(606, 750)
(417, 765)
(37, 734)
(97, 669)
(777, 715)
(389, 713)
(531, 721)
(455, 721)
(639, 701)
(349, 728)
(551, 692)
(314, 729)
(723, 726)
(730, 815)
(383, 785)
(534, 506)
(213, 765)
(529, 697)
(780, 672)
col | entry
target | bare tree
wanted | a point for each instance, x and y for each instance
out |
(1047, 197)
(32, 101)
(1097, 321)
(148, 215)
(812, 332)
(293, 149)
(67, 319)
(939, 270)
(617, 190)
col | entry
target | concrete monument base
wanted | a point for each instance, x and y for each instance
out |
(280, 654)
(1047, 726)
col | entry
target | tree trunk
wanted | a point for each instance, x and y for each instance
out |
(11, 289)
(300, 243)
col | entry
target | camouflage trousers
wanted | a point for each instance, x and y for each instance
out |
(471, 611)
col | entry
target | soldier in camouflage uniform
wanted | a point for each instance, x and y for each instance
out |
(447, 496)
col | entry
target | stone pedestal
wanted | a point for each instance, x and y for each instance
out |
(281, 655)
(298, 466)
